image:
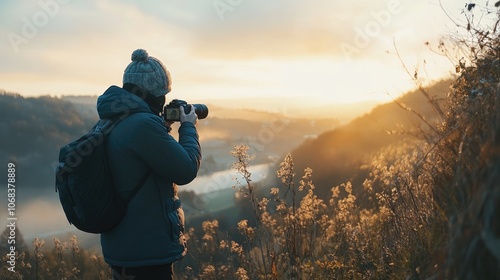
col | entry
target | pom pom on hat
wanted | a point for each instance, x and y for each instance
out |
(140, 55)
(148, 72)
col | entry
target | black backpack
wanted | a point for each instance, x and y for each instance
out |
(85, 185)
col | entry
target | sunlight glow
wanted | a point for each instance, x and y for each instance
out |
(293, 53)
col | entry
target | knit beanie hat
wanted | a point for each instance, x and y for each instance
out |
(149, 73)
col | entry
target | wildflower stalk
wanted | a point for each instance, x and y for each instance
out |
(241, 165)
(287, 176)
(59, 250)
(37, 248)
(75, 249)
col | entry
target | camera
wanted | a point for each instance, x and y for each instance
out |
(171, 112)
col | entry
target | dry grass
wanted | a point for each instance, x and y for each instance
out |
(428, 210)
(66, 260)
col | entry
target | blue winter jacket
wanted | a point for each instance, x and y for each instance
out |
(152, 231)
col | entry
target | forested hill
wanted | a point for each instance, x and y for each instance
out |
(33, 129)
(335, 156)
(31, 132)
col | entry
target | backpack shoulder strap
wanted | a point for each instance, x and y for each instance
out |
(114, 123)
(139, 185)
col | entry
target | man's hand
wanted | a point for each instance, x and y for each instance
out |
(191, 117)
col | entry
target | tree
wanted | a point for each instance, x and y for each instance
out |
(12, 238)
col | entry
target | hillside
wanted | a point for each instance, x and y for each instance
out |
(335, 156)
(33, 130)
(270, 134)
(292, 108)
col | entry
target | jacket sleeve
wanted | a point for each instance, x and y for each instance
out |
(178, 162)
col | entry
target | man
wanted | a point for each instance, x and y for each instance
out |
(150, 238)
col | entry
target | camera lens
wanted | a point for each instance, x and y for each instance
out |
(201, 110)
(171, 111)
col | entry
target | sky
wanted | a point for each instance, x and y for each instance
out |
(314, 52)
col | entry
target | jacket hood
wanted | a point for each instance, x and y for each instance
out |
(116, 101)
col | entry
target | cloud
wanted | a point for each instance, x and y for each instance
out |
(276, 29)
(83, 42)
(242, 30)
(293, 28)
(85, 45)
